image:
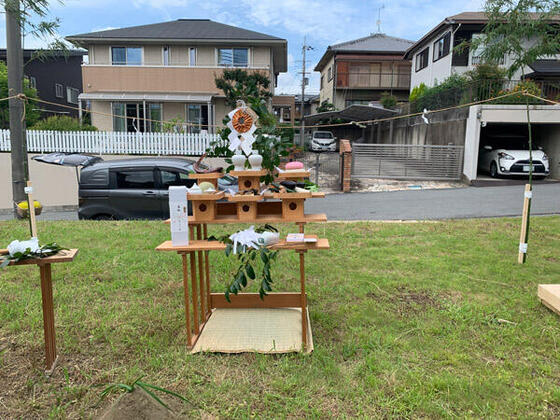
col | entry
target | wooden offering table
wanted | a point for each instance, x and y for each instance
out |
(204, 302)
(47, 298)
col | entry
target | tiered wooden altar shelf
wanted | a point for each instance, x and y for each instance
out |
(293, 175)
(213, 317)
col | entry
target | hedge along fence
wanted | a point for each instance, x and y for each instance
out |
(457, 90)
(114, 143)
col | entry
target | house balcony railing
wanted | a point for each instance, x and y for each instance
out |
(372, 80)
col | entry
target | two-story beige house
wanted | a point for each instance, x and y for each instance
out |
(165, 71)
(358, 72)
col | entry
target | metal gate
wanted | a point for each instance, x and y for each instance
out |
(324, 169)
(407, 161)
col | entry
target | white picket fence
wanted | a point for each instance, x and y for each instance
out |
(113, 143)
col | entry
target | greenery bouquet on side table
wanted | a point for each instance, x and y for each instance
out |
(250, 246)
(21, 250)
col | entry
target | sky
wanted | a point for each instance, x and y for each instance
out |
(320, 22)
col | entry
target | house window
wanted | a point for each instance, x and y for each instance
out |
(197, 118)
(166, 55)
(72, 95)
(126, 56)
(233, 57)
(58, 90)
(322, 79)
(441, 46)
(192, 56)
(330, 74)
(422, 59)
(154, 116)
(128, 117)
(32, 82)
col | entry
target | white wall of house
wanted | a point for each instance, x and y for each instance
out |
(514, 114)
(326, 92)
(434, 72)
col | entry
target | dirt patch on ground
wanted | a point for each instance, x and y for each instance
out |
(411, 301)
(137, 405)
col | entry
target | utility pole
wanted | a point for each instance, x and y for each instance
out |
(18, 141)
(304, 81)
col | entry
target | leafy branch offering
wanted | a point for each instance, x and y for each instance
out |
(247, 256)
(29, 249)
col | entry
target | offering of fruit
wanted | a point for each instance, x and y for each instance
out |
(206, 186)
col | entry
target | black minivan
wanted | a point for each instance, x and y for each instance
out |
(134, 188)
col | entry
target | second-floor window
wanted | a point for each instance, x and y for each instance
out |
(441, 46)
(192, 56)
(233, 57)
(58, 90)
(166, 51)
(422, 59)
(72, 95)
(124, 56)
(330, 74)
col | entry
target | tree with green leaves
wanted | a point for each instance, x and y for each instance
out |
(523, 31)
(326, 106)
(272, 142)
(32, 114)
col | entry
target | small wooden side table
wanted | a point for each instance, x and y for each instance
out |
(47, 298)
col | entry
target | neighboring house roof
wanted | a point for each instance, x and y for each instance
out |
(372, 44)
(545, 68)
(472, 18)
(352, 113)
(28, 53)
(197, 31)
(308, 97)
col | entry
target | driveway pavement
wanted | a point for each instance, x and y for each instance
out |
(437, 204)
(418, 204)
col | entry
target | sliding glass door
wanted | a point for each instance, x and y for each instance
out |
(129, 117)
(197, 117)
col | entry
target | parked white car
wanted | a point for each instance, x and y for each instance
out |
(323, 141)
(514, 161)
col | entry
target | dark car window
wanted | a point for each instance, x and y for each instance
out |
(323, 135)
(135, 179)
(175, 178)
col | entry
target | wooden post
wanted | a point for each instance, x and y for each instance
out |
(31, 210)
(48, 316)
(194, 292)
(201, 272)
(303, 299)
(524, 225)
(207, 266)
(187, 305)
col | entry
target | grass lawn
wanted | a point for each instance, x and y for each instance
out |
(407, 319)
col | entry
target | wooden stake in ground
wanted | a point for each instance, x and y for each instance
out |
(525, 225)
(31, 210)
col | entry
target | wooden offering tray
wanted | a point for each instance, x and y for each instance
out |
(248, 180)
(293, 175)
(210, 177)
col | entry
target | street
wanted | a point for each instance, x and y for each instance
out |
(418, 204)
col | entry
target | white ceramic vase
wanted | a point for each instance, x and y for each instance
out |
(255, 161)
(239, 162)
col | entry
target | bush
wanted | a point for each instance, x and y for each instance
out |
(326, 106)
(450, 92)
(526, 85)
(388, 101)
(418, 91)
(62, 123)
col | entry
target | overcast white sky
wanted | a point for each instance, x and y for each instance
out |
(323, 22)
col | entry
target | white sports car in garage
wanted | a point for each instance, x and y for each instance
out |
(515, 161)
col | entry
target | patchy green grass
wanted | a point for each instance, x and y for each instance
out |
(407, 322)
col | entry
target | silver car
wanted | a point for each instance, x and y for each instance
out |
(323, 141)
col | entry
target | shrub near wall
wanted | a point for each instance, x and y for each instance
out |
(62, 123)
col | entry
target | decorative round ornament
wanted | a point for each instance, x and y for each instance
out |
(242, 126)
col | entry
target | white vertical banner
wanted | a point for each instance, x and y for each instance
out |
(179, 213)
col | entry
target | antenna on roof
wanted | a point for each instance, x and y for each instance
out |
(379, 18)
